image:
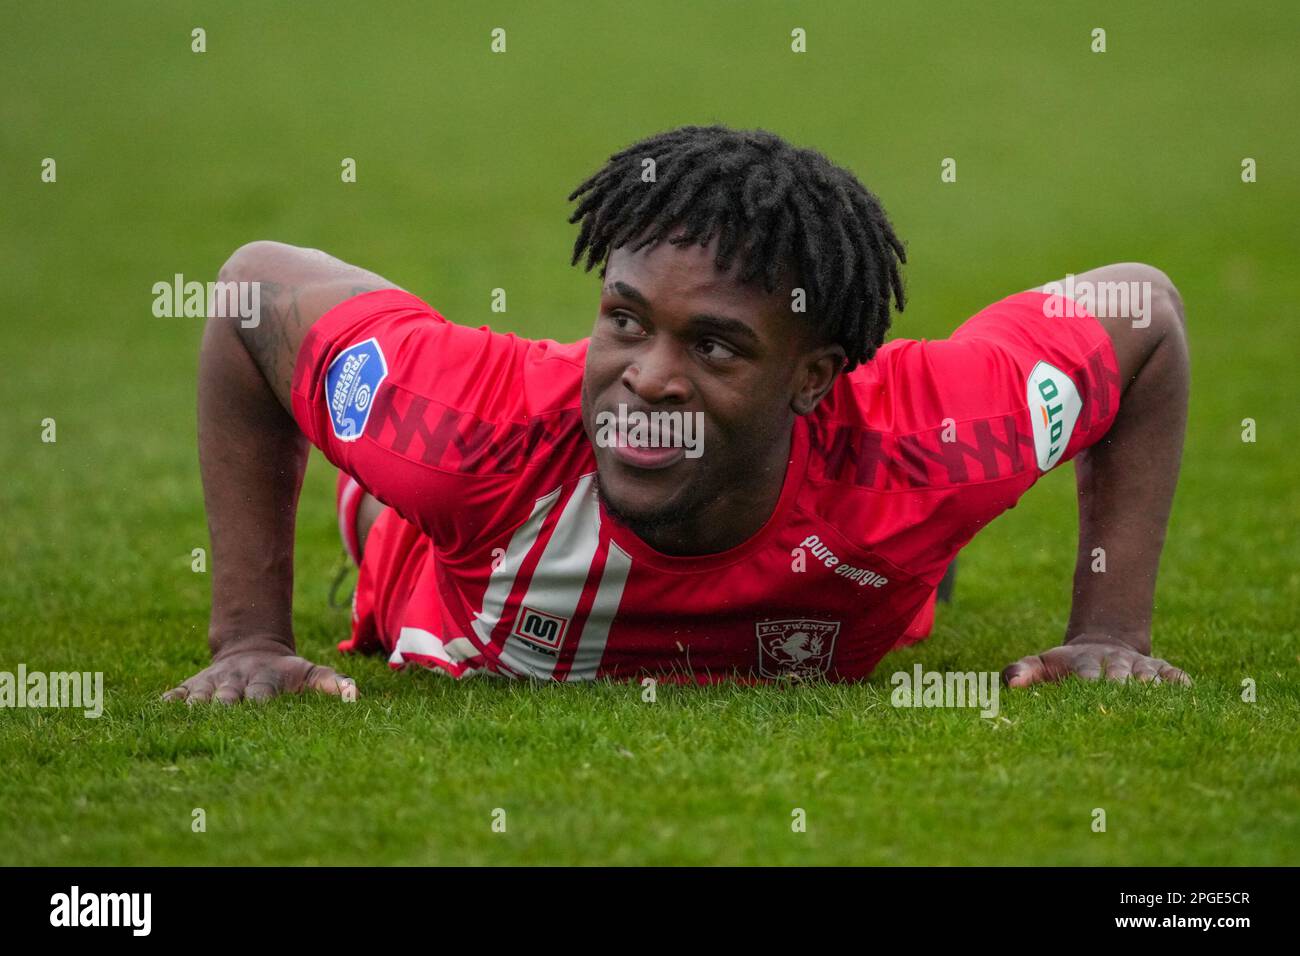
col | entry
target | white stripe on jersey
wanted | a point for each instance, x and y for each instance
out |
(414, 640)
(591, 649)
(559, 578)
(503, 576)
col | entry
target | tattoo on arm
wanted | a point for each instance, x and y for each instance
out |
(273, 342)
(287, 313)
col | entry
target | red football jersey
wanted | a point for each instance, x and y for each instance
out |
(496, 555)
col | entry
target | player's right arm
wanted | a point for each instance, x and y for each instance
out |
(252, 457)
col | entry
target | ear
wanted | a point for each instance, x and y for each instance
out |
(814, 377)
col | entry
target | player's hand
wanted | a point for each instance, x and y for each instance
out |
(1092, 658)
(259, 669)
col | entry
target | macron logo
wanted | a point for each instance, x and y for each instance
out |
(102, 909)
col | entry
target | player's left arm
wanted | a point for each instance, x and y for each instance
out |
(1126, 487)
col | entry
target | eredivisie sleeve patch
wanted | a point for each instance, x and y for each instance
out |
(351, 384)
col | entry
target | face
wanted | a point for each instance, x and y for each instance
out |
(674, 334)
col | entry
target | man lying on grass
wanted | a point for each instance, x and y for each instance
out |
(732, 478)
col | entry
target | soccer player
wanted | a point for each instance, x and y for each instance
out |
(746, 288)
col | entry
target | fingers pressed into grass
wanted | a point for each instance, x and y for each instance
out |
(1089, 669)
(1173, 675)
(328, 681)
(261, 688)
(200, 690)
(231, 691)
(1119, 669)
(1147, 669)
(1026, 671)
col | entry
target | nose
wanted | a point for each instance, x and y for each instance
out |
(656, 376)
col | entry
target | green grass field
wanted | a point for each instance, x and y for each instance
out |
(167, 160)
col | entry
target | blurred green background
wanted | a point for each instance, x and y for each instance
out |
(167, 160)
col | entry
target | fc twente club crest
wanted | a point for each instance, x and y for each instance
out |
(800, 648)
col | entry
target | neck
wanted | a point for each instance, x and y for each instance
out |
(727, 519)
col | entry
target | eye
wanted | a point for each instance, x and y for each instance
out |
(715, 350)
(626, 322)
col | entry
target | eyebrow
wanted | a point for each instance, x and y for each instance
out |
(702, 321)
(628, 292)
(721, 324)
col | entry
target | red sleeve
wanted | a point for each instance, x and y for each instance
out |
(1046, 387)
(954, 431)
(438, 420)
(1030, 354)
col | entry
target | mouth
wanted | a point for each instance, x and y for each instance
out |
(643, 440)
(647, 459)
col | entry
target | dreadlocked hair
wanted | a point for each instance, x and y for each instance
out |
(773, 205)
